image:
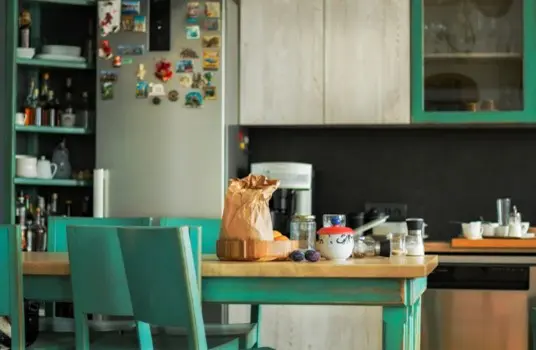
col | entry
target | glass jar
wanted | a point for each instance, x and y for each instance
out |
(398, 244)
(366, 247)
(303, 229)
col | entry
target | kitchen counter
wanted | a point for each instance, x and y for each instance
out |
(396, 267)
(444, 247)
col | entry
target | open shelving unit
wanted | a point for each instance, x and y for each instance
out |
(37, 140)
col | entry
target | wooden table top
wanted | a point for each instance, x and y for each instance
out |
(437, 247)
(57, 264)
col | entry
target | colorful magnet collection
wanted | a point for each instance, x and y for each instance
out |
(195, 63)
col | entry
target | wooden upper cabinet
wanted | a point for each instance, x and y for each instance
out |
(367, 61)
(281, 62)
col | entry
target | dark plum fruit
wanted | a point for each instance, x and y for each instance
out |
(297, 255)
(312, 255)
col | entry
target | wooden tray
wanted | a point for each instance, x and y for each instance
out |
(493, 243)
(238, 250)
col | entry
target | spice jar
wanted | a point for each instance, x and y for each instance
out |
(398, 244)
(303, 230)
(366, 246)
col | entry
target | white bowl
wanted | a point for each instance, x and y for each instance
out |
(62, 50)
(25, 52)
(333, 245)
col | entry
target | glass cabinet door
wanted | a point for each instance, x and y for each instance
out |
(471, 56)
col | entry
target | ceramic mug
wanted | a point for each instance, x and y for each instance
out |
(514, 230)
(26, 166)
(472, 230)
(501, 231)
(489, 228)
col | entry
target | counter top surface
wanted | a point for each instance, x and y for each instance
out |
(444, 247)
(395, 267)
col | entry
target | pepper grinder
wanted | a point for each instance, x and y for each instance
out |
(414, 240)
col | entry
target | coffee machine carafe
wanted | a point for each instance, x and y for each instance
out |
(294, 195)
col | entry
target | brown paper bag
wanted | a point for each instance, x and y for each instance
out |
(246, 214)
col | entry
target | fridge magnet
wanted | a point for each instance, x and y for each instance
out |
(185, 80)
(189, 53)
(212, 9)
(156, 90)
(173, 95)
(156, 100)
(117, 61)
(140, 73)
(107, 90)
(212, 24)
(127, 60)
(142, 89)
(192, 32)
(130, 7)
(211, 41)
(197, 81)
(131, 50)
(210, 92)
(105, 50)
(163, 70)
(107, 76)
(127, 23)
(192, 12)
(211, 60)
(184, 66)
(193, 99)
(207, 77)
(109, 16)
(140, 24)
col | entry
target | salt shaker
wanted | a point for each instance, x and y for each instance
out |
(414, 240)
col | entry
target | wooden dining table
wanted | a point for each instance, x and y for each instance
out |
(395, 283)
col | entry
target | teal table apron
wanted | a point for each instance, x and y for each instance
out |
(399, 297)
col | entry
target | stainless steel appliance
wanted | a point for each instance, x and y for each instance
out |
(478, 302)
(294, 195)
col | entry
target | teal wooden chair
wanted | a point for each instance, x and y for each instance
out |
(57, 242)
(11, 295)
(533, 327)
(99, 286)
(211, 233)
(164, 284)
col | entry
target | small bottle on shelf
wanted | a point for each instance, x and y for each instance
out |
(53, 205)
(25, 22)
(19, 209)
(51, 107)
(84, 111)
(28, 105)
(28, 208)
(68, 208)
(43, 101)
(38, 232)
(85, 207)
(68, 116)
(30, 237)
(37, 108)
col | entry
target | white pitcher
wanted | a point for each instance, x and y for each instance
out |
(46, 169)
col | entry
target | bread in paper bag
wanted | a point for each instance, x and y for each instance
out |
(246, 214)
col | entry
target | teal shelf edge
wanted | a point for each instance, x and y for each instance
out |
(52, 182)
(53, 130)
(66, 2)
(52, 63)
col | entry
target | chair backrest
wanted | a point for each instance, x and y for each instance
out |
(159, 264)
(11, 300)
(211, 231)
(98, 279)
(57, 227)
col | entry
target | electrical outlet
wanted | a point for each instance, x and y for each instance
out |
(396, 211)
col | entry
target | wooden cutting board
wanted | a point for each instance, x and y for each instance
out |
(493, 243)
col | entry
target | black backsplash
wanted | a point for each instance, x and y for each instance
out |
(442, 174)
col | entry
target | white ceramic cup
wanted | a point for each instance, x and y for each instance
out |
(525, 228)
(514, 230)
(488, 229)
(19, 118)
(472, 230)
(501, 231)
(335, 246)
(26, 166)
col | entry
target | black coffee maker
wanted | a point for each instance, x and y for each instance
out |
(282, 208)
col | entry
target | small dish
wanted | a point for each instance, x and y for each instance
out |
(25, 52)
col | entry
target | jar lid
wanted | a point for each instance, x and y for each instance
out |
(304, 217)
(335, 230)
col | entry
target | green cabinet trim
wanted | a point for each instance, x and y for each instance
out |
(419, 115)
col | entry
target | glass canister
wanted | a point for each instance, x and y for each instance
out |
(367, 246)
(303, 229)
(398, 244)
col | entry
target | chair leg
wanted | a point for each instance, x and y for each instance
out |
(144, 335)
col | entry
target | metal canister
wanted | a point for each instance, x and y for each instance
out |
(303, 229)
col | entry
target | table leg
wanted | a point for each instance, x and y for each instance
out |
(395, 326)
(417, 324)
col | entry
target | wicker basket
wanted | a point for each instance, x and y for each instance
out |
(251, 250)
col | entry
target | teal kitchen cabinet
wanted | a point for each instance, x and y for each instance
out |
(472, 61)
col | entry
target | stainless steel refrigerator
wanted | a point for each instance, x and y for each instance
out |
(169, 159)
